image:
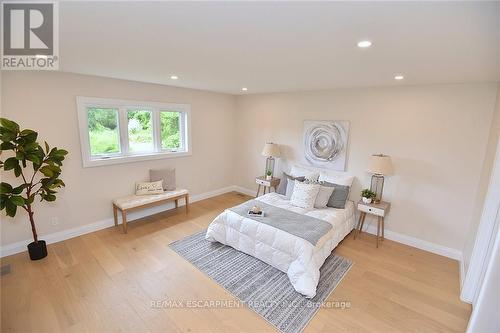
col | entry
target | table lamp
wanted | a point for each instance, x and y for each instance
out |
(271, 150)
(380, 165)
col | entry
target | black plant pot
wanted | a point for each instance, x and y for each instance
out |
(37, 250)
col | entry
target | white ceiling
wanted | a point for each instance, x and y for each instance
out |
(278, 46)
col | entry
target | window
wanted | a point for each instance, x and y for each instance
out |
(170, 130)
(140, 131)
(118, 131)
(104, 134)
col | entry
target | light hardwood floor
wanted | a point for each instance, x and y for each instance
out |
(105, 282)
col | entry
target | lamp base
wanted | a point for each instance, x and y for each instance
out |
(377, 186)
(269, 166)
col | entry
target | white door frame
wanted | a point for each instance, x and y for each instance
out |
(485, 236)
(483, 317)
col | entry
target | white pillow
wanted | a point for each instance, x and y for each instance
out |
(324, 194)
(289, 188)
(340, 178)
(309, 174)
(304, 194)
(145, 188)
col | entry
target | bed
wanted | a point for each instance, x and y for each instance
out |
(293, 255)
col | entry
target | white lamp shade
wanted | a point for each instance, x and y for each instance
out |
(271, 150)
(380, 165)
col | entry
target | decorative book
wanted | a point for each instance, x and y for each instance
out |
(255, 214)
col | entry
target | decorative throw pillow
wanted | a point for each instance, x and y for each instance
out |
(145, 188)
(286, 179)
(304, 194)
(166, 175)
(324, 194)
(339, 195)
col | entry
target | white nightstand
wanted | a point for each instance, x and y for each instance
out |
(262, 181)
(377, 209)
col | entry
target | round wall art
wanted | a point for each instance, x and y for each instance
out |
(325, 143)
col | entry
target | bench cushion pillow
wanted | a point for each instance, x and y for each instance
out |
(166, 175)
(146, 188)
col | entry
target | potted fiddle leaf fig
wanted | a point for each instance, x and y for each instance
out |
(38, 169)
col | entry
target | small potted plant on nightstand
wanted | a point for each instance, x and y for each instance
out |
(269, 175)
(367, 196)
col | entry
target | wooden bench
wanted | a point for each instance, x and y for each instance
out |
(136, 202)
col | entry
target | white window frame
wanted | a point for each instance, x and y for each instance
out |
(123, 106)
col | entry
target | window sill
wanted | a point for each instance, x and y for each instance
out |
(89, 163)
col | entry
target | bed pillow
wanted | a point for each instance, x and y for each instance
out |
(145, 188)
(336, 177)
(166, 175)
(290, 186)
(339, 195)
(324, 194)
(309, 174)
(286, 179)
(304, 194)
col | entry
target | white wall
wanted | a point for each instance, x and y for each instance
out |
(484, 180)
(436, 135)
(46, 102)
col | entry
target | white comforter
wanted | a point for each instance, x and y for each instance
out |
(298, 258)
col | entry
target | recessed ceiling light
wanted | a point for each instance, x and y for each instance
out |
(244, 89)
(399, 77)
(174, 77)
(364, 44)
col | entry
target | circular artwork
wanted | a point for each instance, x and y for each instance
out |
(324, 141)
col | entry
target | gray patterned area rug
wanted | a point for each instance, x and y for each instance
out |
(261, 287)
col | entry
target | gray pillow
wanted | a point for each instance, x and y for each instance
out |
(284, 183)
(167, 175)
(339, 195)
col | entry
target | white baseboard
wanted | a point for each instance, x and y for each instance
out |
(245, 190)
(17, 247)
(418, 243)
(462, 273)
(465, 293)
